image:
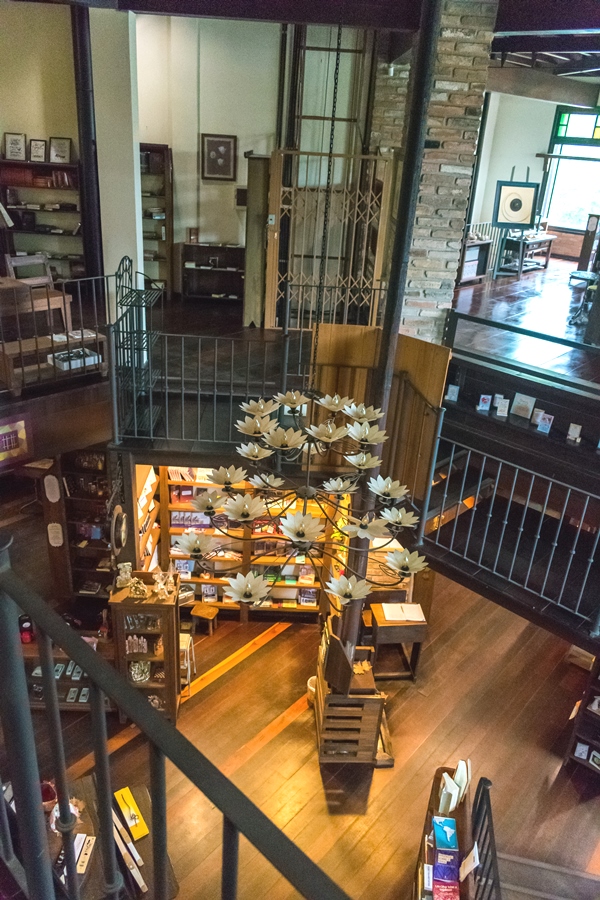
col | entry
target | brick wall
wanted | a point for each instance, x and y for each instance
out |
(454, 116)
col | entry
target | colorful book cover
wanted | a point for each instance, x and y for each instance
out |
(444, 832)
(443, 890)
(445, 865)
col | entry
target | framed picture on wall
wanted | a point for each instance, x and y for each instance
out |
(219, 157)
(14, 146)
(60, 150)
(37, 150)
(15, 444)
(515, 205)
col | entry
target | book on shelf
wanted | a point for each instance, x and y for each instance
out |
(308, 597)
(306, 576)
(209, 593)
(90, 587)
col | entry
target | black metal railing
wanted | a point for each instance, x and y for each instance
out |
(487, 879)
(532, 531)
(521, 350)
(165, 742)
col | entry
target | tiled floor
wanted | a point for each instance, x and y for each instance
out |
(541, 301)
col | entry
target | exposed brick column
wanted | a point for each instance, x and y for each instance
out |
(454, 117)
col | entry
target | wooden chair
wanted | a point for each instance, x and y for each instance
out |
(41, 296)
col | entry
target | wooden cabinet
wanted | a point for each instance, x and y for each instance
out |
(146, 637)
(42, 199)
(584, 746)
(71, 683)
(212, 271)
(156, 167)
(474, 261)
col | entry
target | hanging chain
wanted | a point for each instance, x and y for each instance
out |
(326, 209)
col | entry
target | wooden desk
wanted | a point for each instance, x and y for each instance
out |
(526, 250)
(18, 297)
(398, 634)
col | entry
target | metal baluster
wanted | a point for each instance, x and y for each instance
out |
(158, 785)
(573, 549)
(66, 821)
(430, 475)
(264, 375)
(555, 542)
(505, 520)
(444, 497)
(20, 749)
(182, 388)
(133, 357)
(462, 491)
(166, 368)
(150, 348)
(490, 513)
(198, 383)
(247, 397)
(112, 876)
(538, 533)
(475, 505)
(215, 376)
(521, 528)
(590, 562)
(231, 377)
(6, 845)
(229, 864)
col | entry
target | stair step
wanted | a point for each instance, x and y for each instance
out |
(537, 879)
(513, 892)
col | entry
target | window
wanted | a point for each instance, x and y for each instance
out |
(573, 185)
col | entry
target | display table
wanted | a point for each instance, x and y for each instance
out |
(397, 634)
(18, 297)
(524, 251)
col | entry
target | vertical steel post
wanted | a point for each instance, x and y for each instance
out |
(158, 788)
(430, 473)
(112, 877)
(112, 374)
(20, 746)
(229, 865)
(66, 821)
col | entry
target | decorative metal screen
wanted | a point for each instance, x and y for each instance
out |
(355, 207)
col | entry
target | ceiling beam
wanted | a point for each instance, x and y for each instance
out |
(539, 84)
(547, 17)
(549, 43)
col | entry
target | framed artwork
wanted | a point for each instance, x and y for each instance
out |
(37, 150)
(14, 442)
(219, 157)
(14, 146)
(515, 204)
(60, 150)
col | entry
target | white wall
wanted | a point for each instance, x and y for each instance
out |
(516, 130)
(214, 76)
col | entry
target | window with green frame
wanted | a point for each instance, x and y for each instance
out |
(573, 184)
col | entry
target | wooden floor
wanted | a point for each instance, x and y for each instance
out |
(490, 686)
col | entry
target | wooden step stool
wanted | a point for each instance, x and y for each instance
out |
(208, 613)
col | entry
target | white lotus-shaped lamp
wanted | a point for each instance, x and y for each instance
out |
(255, 425)
(208, 502)
(348, 589)
(301, 529)
(365, 528)
(387, 489)
(400, 518)
(335, 403)
(243, 508)
(264, 481)
(285, 439)
(194, 544)
(226, 477)
(260, 407)
(249, 588)
(291, 399)
(254, 451)
(362, 413)
(405, 562)
(366, 434)
(363, 460)
(340, 486)
(327, 432)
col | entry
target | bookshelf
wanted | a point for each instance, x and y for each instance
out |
(584, 746)
(42, 200)
(156, 168)
(147, 509)
(212, 271)
(71, 683)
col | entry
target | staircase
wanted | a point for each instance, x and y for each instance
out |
(526, 879)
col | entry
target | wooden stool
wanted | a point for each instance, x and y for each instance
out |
(397, 633)
(208, 613)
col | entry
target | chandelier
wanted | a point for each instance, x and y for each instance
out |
(307, 518)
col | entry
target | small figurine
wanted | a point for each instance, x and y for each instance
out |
(160, 580)
(137, 588)
(124, 576)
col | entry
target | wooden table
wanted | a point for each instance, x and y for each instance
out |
(526, 250)
(18, 297)
(397, 634)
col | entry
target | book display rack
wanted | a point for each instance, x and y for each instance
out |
(584, 746)
(73, 687)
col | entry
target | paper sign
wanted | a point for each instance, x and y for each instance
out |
(485, 401)
(574, 433)
(497, 399)
(502, 410)
(452, 393)
(470, 862)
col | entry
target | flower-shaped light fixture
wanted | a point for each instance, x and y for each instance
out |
(362, 413)
(340, 486)
(194, 544)
(285, 439)
(208, 502)
(226, 477)
(366, 528)
(300, 528)
(328, 432)
(264, 481)
(252, 450)
(242, 508)
(400, 518)
(248, 588)
(366, 434)
(348, 589)
(292, 399)
(335, 403)
(260, 407)
(387, 489)
(405, 562)
(255, 425)
(363, 460)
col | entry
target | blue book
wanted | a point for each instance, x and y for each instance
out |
(445, 865)
(444, 831)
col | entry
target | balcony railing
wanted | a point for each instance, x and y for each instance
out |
(165, 742)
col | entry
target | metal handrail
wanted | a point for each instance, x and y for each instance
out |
(487, 877)
(238, 809)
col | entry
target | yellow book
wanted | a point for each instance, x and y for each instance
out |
(131, 812)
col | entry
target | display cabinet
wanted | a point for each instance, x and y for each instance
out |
(42, 199)
(72, 684)
(212, 271)
(156, 168)
(146, 637)
(584, 746)
(475, 261)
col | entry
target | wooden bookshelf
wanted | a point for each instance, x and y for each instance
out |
(156, 167)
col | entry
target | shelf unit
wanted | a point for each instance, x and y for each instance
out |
(86, 494)
(585, 738)
(212, 271)
(147, 511)
(156, 166)
(26, 185)
(475, 261)
(153, 620)
(65, 683)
